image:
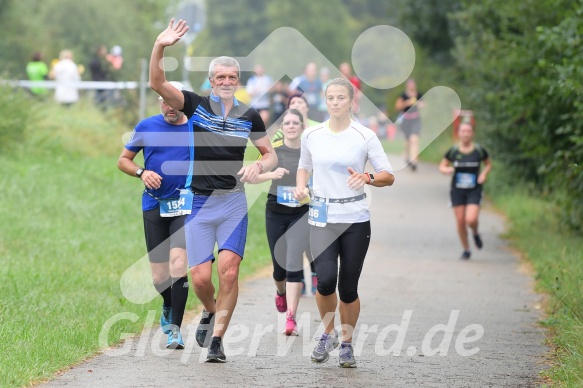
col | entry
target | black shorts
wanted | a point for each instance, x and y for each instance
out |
(411, 127)
(162, 234)
(461, 197)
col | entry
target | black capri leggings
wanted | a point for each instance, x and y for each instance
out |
(350, 243)
(288, 236)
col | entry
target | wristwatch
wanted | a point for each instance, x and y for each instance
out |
(139, 172)
(371, 178)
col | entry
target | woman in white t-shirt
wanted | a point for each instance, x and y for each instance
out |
(335, 153)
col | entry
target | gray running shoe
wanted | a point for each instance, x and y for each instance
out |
(325, 345)
(216, 352)
(347, 357)
(204, 331)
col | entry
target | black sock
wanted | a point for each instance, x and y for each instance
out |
(179, 296)
(164, 289)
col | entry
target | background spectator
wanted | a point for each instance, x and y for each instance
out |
(66, 73)
(37, 70)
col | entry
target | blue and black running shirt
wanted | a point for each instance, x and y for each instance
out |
(220, 142)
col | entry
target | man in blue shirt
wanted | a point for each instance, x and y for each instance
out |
(222, 126)
(164, 141)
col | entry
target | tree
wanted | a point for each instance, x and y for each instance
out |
(427, 23)
(521, 63)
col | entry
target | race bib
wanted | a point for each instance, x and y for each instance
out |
(465, 180)
(173, 207)
(318, 213)
(285, 196)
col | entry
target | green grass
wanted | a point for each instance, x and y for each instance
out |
(557, 257)
(70, 225)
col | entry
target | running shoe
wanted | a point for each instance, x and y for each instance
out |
(290, 324)
(326, 344)
(466, 255)
(175, 339)
(166, 319)
(205, 329)
(280, 302)
(216, 352)
(346, 359)
(478, 241)
(314, 283)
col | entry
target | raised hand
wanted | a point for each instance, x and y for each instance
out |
(172, 33)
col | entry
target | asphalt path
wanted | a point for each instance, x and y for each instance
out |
(427, 318)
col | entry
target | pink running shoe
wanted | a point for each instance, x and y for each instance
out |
(290, 325)
(280, 302)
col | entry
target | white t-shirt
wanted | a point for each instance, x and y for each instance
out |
(328, 155)
(66, 73)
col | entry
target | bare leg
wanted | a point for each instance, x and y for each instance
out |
(406, 151)
(413, 143)
(460, 218)
(178, 262)
(349, 313)
(472, 212)
(327, 308)
(228, 270)
(280, 285)
(160, 272)
(293, 294)
(203, 286)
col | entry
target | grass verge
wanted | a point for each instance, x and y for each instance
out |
(556, 253)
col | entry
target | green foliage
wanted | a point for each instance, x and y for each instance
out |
(427, 24)
(79, 26)
(562, 84)
(333, 40)
(228, 31)
(15, 110)
(522, 66)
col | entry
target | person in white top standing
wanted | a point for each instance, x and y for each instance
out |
(66, 74)
(335, 153)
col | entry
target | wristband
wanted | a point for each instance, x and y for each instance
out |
(369, 178)
(261, 168)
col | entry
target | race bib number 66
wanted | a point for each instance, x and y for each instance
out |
(318, 213)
